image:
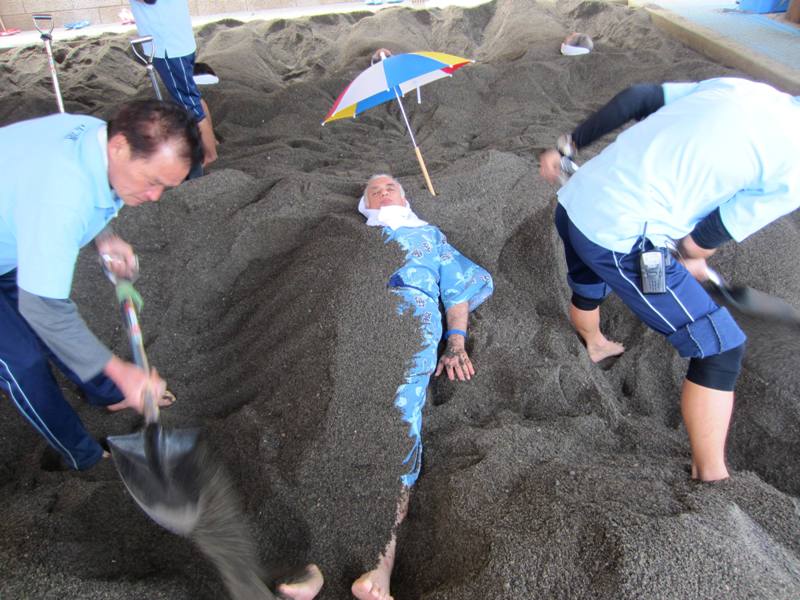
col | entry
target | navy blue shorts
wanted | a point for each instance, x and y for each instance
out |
(685, 314)
(177, 76)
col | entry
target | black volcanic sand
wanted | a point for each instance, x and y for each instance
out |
(267, 312)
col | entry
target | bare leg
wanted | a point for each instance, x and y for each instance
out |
(587, 324)
(374, 585)
(207, 136)
(707, 414)
(304, 588)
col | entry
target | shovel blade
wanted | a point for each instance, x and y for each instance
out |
(162, 471)
(759, 304)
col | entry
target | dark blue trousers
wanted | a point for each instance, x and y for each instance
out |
(26, 378)
(685, 314)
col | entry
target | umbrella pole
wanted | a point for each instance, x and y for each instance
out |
(416, 148)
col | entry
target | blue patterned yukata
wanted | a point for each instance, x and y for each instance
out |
(433, 269)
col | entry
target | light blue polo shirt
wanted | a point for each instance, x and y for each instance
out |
(54, 199)
(170, 24)
(727, 143)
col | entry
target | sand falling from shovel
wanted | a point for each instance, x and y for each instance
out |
(222, 535)
(192, 496)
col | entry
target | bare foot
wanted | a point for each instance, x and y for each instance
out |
(373, 585)
(604, 349)
(305, 587)
(167, 399)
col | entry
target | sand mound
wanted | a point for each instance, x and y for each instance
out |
(266, 310)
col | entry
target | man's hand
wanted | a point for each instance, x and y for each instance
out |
(133, 382)
(118, 256)
(550, 165)
(693, 257)
(456, 360)
(697, 267)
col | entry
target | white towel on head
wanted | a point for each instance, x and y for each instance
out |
(576, 44)
(568, 50)
(390, 216)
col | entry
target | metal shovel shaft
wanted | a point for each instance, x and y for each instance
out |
(154, 81)
(140, 357)
(146, 57)
(47, 38)
(159, 468)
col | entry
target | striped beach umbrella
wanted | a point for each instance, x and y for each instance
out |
(390, 79)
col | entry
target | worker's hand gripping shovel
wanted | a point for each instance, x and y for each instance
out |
(44, 25)
(158, 466)
(144, 48)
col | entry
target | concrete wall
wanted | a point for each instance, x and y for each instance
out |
(17, 13)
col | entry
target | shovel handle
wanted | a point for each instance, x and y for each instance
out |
(715, 278)
(42, 18)
(137, 45)
(134, 331)
(146, 58)
(136, 339)
(46, 35)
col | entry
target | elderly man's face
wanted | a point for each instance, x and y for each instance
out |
(384, 191)
(139, 180)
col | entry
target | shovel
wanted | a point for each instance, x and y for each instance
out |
(161, 468)
(138, 47)
(41, 23)
(753, 302)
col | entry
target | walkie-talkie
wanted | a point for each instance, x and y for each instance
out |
(654, 272)
(653, 267)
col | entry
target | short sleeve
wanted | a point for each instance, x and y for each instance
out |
(461, 280)
(49, 237)
(750, 210)
(674, 91)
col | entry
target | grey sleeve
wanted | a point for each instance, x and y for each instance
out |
(59, 325)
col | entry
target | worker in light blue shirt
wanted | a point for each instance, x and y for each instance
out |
(708, 162)
(170, 25)
(65, 177)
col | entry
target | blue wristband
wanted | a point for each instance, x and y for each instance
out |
(450, 332)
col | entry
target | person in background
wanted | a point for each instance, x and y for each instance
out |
(170, 25)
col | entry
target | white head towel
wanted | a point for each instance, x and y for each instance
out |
(576, 44)
(390, 216)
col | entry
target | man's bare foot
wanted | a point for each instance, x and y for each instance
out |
(167, 399)
(373, 585)
(604, 349)
(305, 587)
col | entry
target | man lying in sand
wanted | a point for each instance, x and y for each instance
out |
(709, 162)
(433, 271)
(64, 178)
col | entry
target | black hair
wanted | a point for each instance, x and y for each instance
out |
(148, 124)
(149, 1)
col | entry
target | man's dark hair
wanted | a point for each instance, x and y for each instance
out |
(149, 1)
(148, 124)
